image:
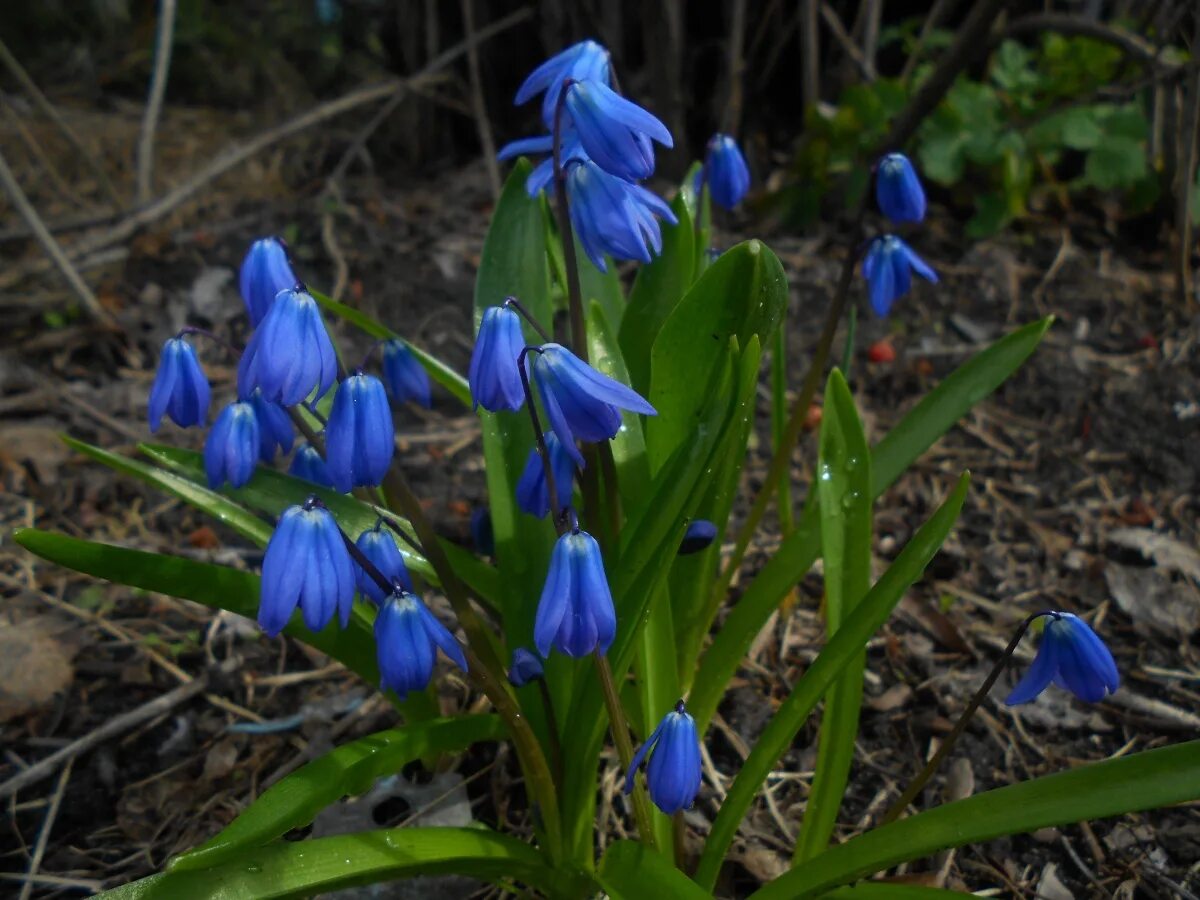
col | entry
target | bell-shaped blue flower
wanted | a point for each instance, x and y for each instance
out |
(726, 171)
(307, 464)
(290, 354)
(404, 375)
(615, 132)
(613, 216)
(525, 668)
(275, 432)
(265, 272)
(586, 60)
(493, 375)
(180, 389)
(580, 402)
(575, 614)
(1071, 656)
(898, 189)
(406, 637)
(308, 566)
(888, 268)
(232, 446)
(673, 775)
(533, 492)
(699, 534)
(483, 536)
(378, 545)
(359, 438)
(542, 176)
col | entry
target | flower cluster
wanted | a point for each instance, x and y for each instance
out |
(889, 263)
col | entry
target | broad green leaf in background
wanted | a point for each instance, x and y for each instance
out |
(913, 435)
(1140, 781)
(603, 288)
(842, 648)
(629, 445)
(349, 770)
(631, 871)
(438, 370)
(844, 491)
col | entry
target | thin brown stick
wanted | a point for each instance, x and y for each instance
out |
(36, 151)
(940, 9)
(1063, 23)
(810, 49)
(43, 838)
(737, 64)
(838, 30)
(165, 37)
(482, 124)
(1187, 183)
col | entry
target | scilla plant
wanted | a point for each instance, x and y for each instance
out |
(614, 451)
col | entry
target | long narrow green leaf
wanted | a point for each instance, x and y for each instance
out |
(305, 868)
(916, 432)
(438, 370)
(1129, 784)
(842, 648)
(629, 445)
(350, 769)
(844, 490)
(779, 417)
(631, 871)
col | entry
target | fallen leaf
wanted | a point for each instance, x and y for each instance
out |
(1050, 887)
(1153, 600)
(1165, 551)
(37, 445)
(34, 666)
(893, 698)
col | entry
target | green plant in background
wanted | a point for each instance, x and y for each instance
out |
(648, 407)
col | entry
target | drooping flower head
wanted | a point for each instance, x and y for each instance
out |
(898, 189)
(180, 389)
(378, 545)
(307, 566)
(533, 492)
(404, 375)
(406, 637)
(581, 403)
(613, 216)
(493, 375)
(888, 268)
(290, 354)
(307, 464)
(1071, 656)
(232, 446)
(525, 668)
(726, 172)
(615, 133)
(265, 272)
(275, 430)
(585, 61)
(673, 775)
(699, 534)
(575, 615)
(360, 439)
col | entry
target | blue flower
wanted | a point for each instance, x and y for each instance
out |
(180, 389)
(265, 272)
(405, 376)
(580, 402)
(699, 534)
(275, 430)
(525, 668)
(673, 775)
(307, 464)
(482, 535)
(615, 132)
(406, 637)
(232, 446)
(586, 60)
(493, 375)
(888, 268)
(542, 176)
(378, 545)
(290, 354)
(898, 189)
(726, 171)
(575, 614)
(307, 566)
(359, 437)
(1073, 657)
(533, 493)
(612, 216)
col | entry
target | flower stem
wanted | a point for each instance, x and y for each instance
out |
(215, 338)
(556, 757)
(528, 317)
(563, 211)
(960, 726)
(620, 732)
(556, 509)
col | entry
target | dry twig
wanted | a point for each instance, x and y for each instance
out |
(158, 87)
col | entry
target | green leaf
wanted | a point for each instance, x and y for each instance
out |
(844, 492)
(603, 288)
(629, 445)
(743, 293)
(913, 435)
(1116, 162)
(1141, 781)
(349, 770)
(438, 370)
(631, 871)
(656, 292)
(305, 868)
(890, 890)
(842, 648)
(991, 215)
